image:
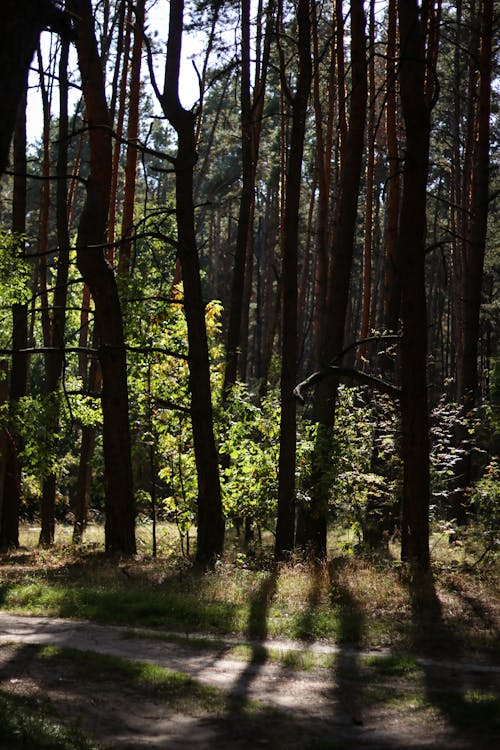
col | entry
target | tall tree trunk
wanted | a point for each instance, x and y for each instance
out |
(22, 22)
(132, 136)
(313, 525)
(210, 518)
(9, 520)
(369, 190)
(99, 276)
(412, 234)
(392, 275)
(285, 527)
(251, 104)
(473, 263)
(54, 360)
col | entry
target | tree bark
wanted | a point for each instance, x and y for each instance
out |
(57, 320)
(285, 527)
(99, 276)
(132, 136)
(472, 265)
(210, 518)
(22, 22)
(411, 251)
(9, 520)
(251, 104)
(392, 275)
(313, 525)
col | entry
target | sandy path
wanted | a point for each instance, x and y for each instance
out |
(330, 699)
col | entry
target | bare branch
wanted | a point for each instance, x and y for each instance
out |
(351, 374)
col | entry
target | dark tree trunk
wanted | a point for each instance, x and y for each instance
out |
(22, 22)
(132, 135)
(412, 233)
(210, 518)
(251, 123)
(313, 518)
(9, 521)
(285, 527)
(472, 266)
(99, 276)
(392, 276)
(57, 323)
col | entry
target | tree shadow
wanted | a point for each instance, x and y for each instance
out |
(306, 622)
(466, 695)
(256, 632)
(347, 691)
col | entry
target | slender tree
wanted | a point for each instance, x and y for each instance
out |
(313, 518)
(100, 278)
(471, 264)
(285, 528)
(210, 519)
(11, 501)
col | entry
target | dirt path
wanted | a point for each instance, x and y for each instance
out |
(317, 709)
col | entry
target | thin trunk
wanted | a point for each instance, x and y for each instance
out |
(285, 527)
(369, 189)
(473, 262)
(313, 525)
(132, 136)
(392, 276)
(123, 53)
(210, 518)
(251, 105)
(57, 322)
(99, 276)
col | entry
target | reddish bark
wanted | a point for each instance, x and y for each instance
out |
(285, 527)
(412, 231)
(210, 518)
(99, 276)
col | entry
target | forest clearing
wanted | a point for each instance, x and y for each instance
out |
(249, 373)
(160, 652)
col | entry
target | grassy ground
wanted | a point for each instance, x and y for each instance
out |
(364, 601)
(353, 601)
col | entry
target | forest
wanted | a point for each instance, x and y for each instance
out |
(249, 274)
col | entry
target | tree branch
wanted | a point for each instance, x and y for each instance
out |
(338, 371)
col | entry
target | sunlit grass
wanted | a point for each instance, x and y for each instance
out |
(362, 601)
(179, 690)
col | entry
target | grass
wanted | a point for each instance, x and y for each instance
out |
(182, 692)
(363, 602)
(24, 725)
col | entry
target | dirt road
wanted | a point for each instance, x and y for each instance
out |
(346, 706)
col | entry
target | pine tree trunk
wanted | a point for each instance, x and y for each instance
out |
(313, 526)
(412, 233)
(9, 520)
(472, 265)
(210, 518)
(57, 321)
(99, 276)
(285, 527)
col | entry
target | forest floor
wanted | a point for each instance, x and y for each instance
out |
(159, 653)
(362, 699)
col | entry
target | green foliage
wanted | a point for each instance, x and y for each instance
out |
(15, 271)
(486, 496)
(365, 464)
(248, 432)
(34, 420)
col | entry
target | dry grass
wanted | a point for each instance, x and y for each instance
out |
(360, 600)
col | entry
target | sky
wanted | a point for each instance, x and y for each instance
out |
(157, 21)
